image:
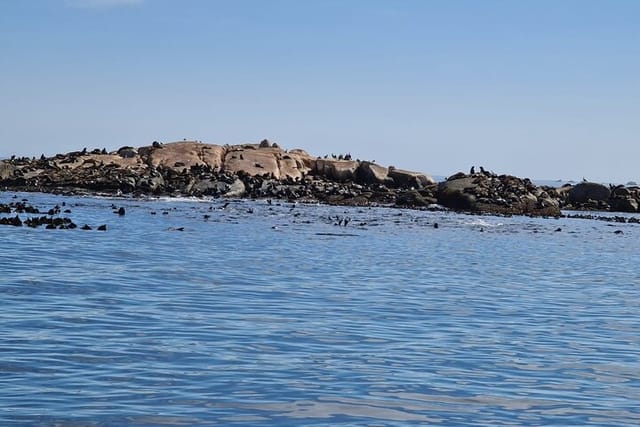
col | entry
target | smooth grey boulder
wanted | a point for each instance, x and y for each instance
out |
(237, 189)
(457, 193)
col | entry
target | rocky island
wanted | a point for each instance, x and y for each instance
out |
(264, 170)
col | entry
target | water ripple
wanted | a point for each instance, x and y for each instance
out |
(280, 317)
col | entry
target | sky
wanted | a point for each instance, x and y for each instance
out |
(545, 89)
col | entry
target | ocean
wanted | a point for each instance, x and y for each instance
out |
(188, 312)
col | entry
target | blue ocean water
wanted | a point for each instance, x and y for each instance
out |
(264, 315)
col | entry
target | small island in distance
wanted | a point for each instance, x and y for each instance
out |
(265, 170)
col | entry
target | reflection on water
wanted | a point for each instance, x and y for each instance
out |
(274, 315)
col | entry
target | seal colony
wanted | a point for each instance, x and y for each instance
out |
(264, 170)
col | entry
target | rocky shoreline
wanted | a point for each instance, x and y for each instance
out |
(266, 171)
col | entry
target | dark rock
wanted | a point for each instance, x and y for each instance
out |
(585, 191)
(412, 198)
(620, 191)
(209, 187)
(489, 193)
(127, 152)
(624, 204)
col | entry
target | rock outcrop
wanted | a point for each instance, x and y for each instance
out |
(499, 194)
(585, 191)
(197, 169)
(265, 170)
(598, 197)
(271, 162)
(180, 155)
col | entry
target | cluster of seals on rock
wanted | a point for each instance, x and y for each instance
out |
(266, 171)
(188, 168)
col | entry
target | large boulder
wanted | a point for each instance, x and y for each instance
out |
(308, 161)
(407, 179)
(458, 193)
(624, 204)
(236, 189)
(209, 187)
(151, 184)
(127, 152)
(490, 193)
(371, 173)
(295, 164)
(291, 167)
(7, 170)
(585, 191)
(252, 161)
(184, 154)
(336, 170)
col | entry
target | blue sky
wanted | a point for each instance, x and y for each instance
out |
(540, 89)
